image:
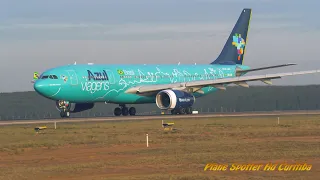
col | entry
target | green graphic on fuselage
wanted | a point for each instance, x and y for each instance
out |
(103, 83)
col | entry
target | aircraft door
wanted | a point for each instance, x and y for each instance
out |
(110, 76)
(73, 77)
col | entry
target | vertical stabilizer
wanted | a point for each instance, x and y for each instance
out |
(234, 49)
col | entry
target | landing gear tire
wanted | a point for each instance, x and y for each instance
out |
(182, 110)
(117, 111)
(189, 110)
(64, 114)
(174, 112)
(132, 111)
(125, 111)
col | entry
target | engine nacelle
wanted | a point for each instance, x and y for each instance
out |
(172, 99)
(73, 107)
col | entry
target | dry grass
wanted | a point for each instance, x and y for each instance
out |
(117, 150)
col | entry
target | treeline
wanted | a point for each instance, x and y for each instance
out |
(30, 105)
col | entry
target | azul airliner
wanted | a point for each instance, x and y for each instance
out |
(78, 87)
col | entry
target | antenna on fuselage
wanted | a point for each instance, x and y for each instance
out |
(179, 63)
(75, 62)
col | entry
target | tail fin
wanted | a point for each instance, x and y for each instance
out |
(234, 49)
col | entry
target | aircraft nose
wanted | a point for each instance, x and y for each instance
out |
(40, 87)
(44, 88)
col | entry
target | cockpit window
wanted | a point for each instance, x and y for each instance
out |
(53, 77)
(49, 76)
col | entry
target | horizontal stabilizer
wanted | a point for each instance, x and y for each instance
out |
(262, 68)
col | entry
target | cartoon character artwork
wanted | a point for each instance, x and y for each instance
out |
(36, 76)
(65, 78)
(239, 42)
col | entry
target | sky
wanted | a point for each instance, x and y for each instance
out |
(36, 35)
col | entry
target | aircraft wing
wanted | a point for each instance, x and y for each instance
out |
(217, 83)
(263, 68)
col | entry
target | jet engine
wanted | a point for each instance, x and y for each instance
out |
(73, 107)
(174, 99)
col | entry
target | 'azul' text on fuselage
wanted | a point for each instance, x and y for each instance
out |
(97, 75)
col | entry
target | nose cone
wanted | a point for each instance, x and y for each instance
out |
(41, 87)
(45, 89)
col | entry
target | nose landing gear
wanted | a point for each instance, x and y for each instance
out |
(64, 108)
(64, 114)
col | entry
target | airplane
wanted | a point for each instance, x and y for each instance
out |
(173, 87)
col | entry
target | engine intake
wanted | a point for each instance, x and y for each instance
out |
(73, 107)
(172, 99)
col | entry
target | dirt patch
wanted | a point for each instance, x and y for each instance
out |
(93, 159)
(295, 138)
(69, 154)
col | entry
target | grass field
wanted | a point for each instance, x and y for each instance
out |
(117, 150)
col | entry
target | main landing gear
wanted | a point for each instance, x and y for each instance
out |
(182, 110)
(123, 110)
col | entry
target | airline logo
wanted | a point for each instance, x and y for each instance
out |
(125, 72)
(184, 100)
(97, 75)
(239, 42)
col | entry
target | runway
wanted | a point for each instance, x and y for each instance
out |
(132, 118)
